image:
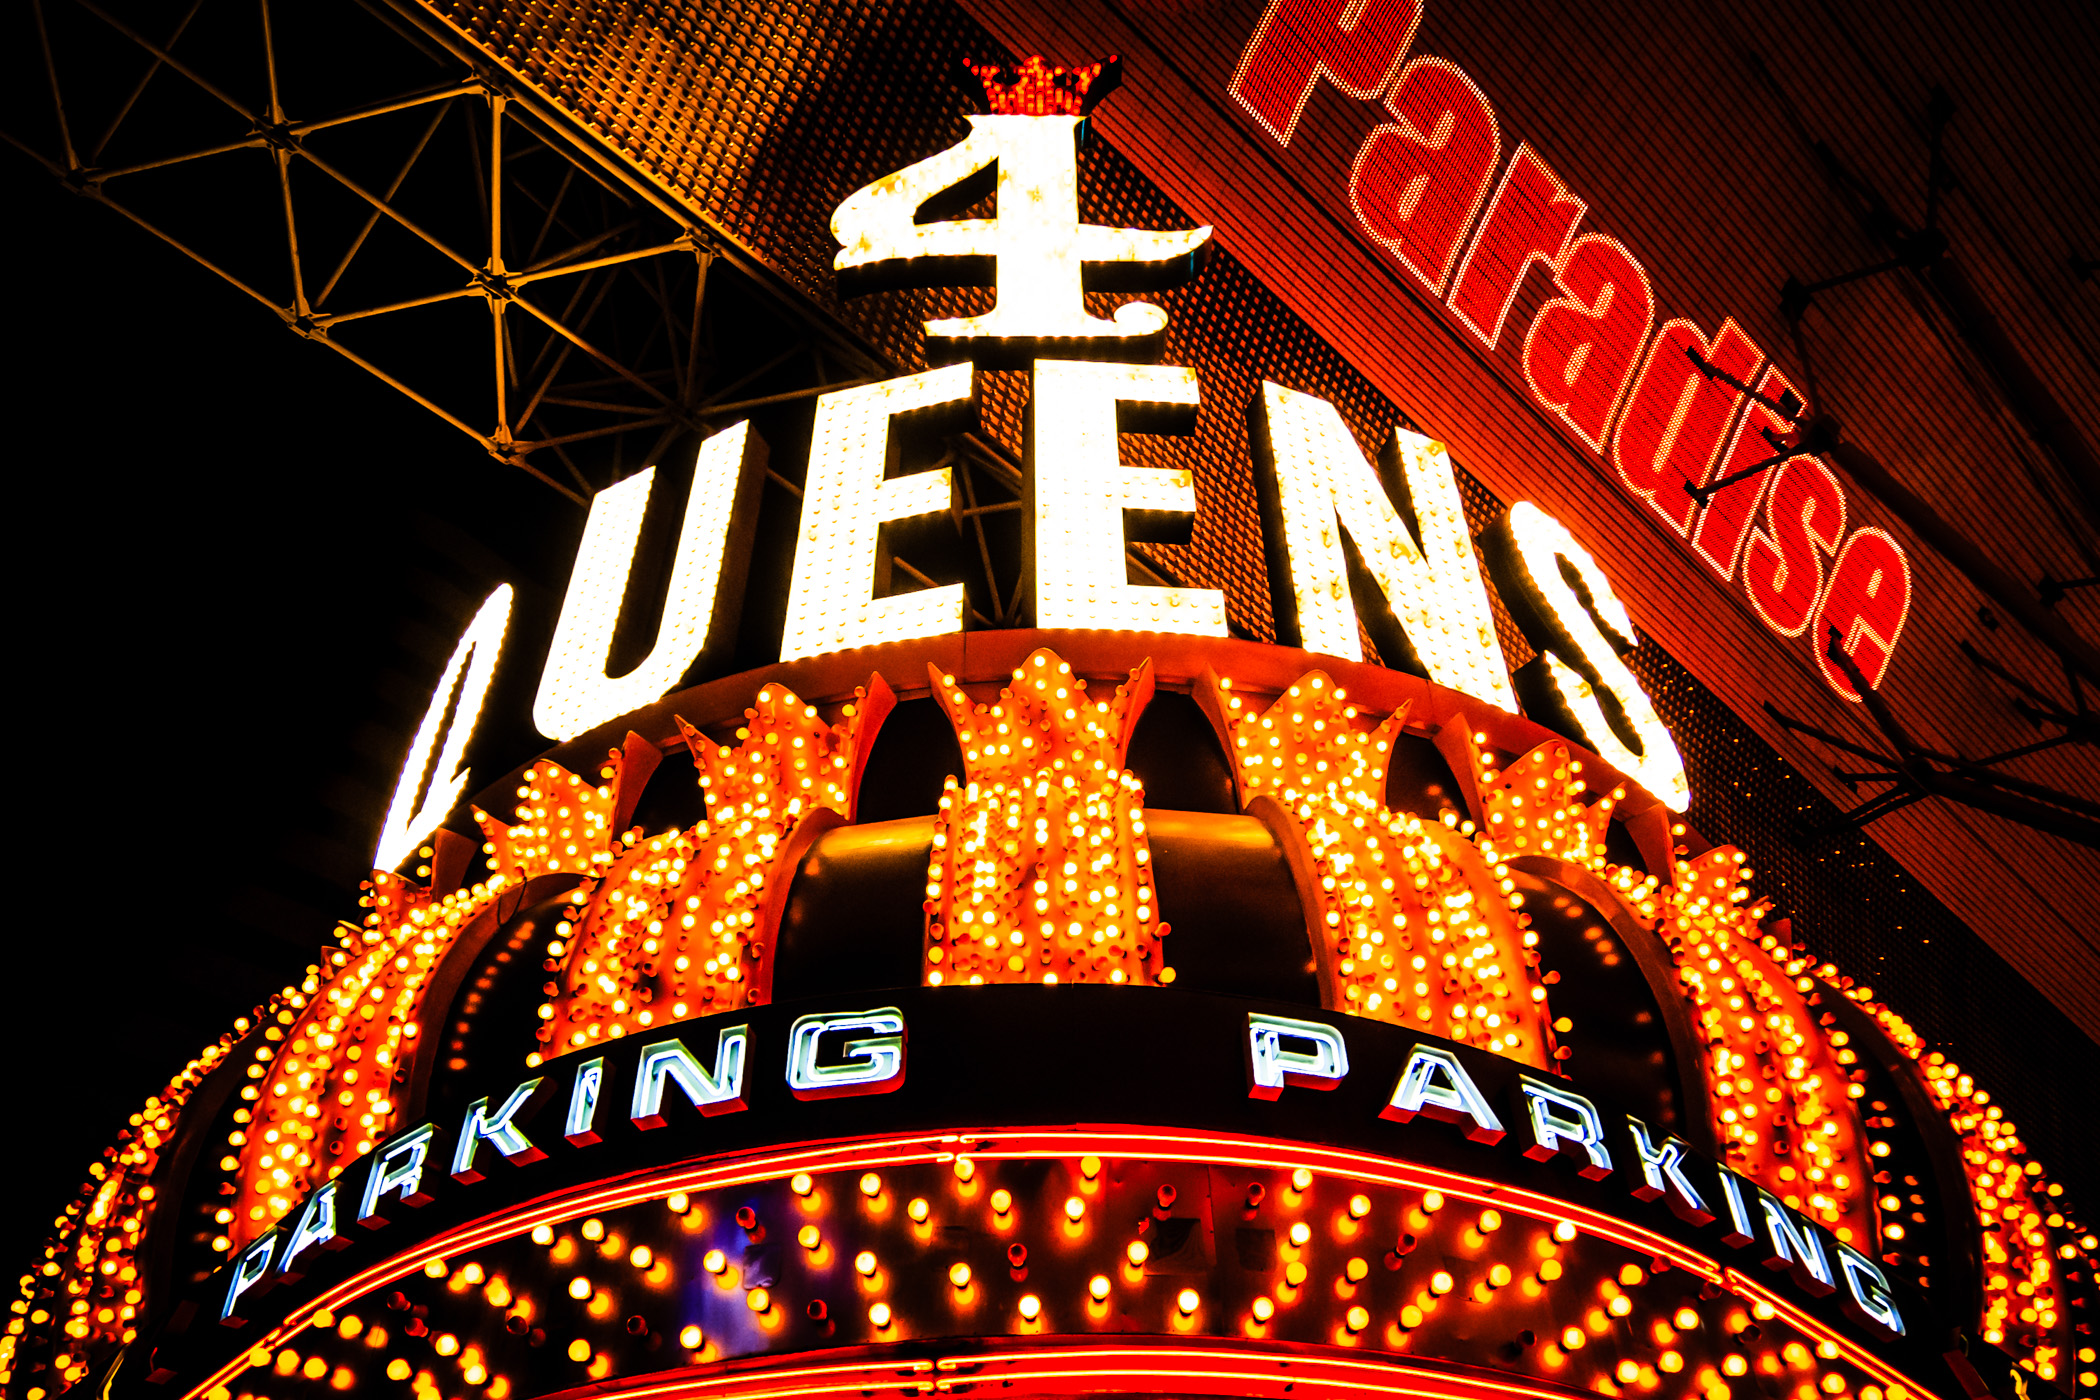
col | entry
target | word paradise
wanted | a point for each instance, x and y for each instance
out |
(1315, 481)
(1660, 402)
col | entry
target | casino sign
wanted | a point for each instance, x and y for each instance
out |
(1424, 1052)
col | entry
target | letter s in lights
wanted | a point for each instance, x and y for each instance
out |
(1566, 606)
(407, 821)
(870, 1064)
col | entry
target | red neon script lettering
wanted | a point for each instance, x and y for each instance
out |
(1532, 218)
(1419, 180)
(1582, 345)
(1355, 44)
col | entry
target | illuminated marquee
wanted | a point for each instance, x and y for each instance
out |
(1020, 1165)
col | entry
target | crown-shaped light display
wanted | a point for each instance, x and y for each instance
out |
(1034, 88)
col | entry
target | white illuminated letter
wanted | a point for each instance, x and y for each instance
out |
(1569, 628)
(1313, 477)
(1037, 245)
(1563, 1121)
(315, 1230)
(408, 821)
(1662, 1173)
(1868, 1295)
(1080, 489)
(872, 1064)
(845, 501)
(396, 1170)
(575, 693)
(1435, 1084)
(1270, 1067)
(498, 1131)
(1792, 1243)
(669, 1060)
(249, 1270)
(1739, 1229)
(583, 1104)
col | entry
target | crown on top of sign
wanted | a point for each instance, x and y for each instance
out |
(1033, 88)
(1034, 252)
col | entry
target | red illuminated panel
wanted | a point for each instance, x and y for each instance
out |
(1531, 219)
(1783, 563)
(1355, 44)
(1677, 416)
(1867, 603)
(1419, 180)
(1581, 347)
(1725, 521)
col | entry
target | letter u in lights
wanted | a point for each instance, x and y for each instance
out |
(575, 693)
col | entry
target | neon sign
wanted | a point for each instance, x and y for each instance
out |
(1315, 482)
(1663, 409)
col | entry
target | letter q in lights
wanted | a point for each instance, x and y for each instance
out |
(845, 500)
(407, 820)
(575, 693)
(1081, 489)
(1581, 634)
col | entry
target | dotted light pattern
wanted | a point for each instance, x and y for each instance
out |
(1062, 1247)
(1533, 806)
(674, 927)
(575, 692)
(1082, 488)
(1324, 485)
(83, 1297)
(1783, 1097)
(1041, 871)
(1415, 926)
(2016, 1206)
(323, 1091)
(845, 501)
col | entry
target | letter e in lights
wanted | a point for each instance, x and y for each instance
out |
(1080, 490)
(407, 820)
(1435, 1084)
(845, 501)
(1271, 1066)
(872, 1063)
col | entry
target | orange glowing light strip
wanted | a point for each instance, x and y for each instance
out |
(1224, 1149)
(1222, 1368)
